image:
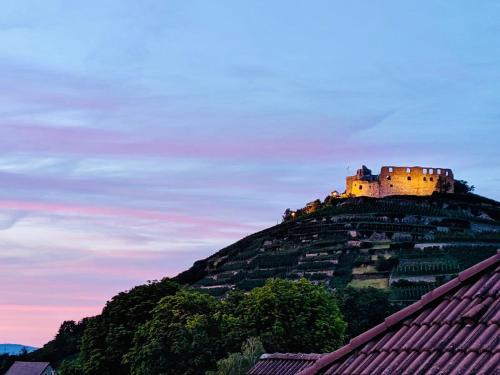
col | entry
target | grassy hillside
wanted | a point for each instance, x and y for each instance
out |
(406, 244)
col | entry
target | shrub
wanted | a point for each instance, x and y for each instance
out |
(240, 363)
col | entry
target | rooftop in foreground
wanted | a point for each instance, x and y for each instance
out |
(453, 329)
(30, 368)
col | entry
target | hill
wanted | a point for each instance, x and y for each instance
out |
(15, 349)
(402, 244)
(405, 244)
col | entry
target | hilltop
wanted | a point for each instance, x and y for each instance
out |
(15, 349)
(405, 244)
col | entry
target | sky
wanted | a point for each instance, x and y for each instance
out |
(137, 137)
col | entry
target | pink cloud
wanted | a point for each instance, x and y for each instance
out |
(30, 324)
(36, 300)
(138, 214)
(226, 145)
(45, 308)
(323, 142)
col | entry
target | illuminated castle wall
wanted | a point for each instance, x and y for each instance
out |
(399, 181)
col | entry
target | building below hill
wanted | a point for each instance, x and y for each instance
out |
(453, 329)
(31, 368)
(399, 181)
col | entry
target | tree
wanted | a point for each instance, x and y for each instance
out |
(6, 360)
(186, 332)
(364, 308)
(290, 316)
(462, 187)
(190, 331)
(183, 337)
(313, 206)
(65, 344)
(108, 337)
(70, 367)
(288, 215)
(383, 265)
(240, 363)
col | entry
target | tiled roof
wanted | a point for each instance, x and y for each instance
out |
(453, 329)
(27, 368)
(283, 364)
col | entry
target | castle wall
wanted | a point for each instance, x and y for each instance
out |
(349, 181)
(361, 188)
(401, 181)
(413, 180)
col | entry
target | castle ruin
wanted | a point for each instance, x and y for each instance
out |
(399, 181)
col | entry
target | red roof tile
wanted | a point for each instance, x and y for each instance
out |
(453, 329)
(283, 364)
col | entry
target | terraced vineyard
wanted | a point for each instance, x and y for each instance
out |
(406, 244)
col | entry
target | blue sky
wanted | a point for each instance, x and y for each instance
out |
(137, 137)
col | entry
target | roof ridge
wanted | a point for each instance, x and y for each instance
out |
(403, 314)
(298, 356)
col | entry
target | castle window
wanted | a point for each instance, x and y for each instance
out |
(447, 173)
(439, 171)
(390, 169)
(408, 170)
(388, 177)
(409, 178)
(432, 178)
(360, 187)
(391, 185)
(431, 171)
(425, 178)
(424, 171)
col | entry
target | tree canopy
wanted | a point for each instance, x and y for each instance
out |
(183, 337)
(190, 331)
(463, 187)
(163, 329)
(291, 316)
(365, 308)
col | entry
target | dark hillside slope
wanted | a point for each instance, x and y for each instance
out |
(407, 244)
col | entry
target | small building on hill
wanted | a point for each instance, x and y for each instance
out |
(31, 368)
(454, 329)
(399, 181)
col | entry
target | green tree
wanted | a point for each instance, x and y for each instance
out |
(70, 367)
(383, 265)
(240, 363)
(463, 187)
(183, 337)
(288, 215)
(364, 308)
(290, 316)
(65, 344)
(108, 337)
(6, 361)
